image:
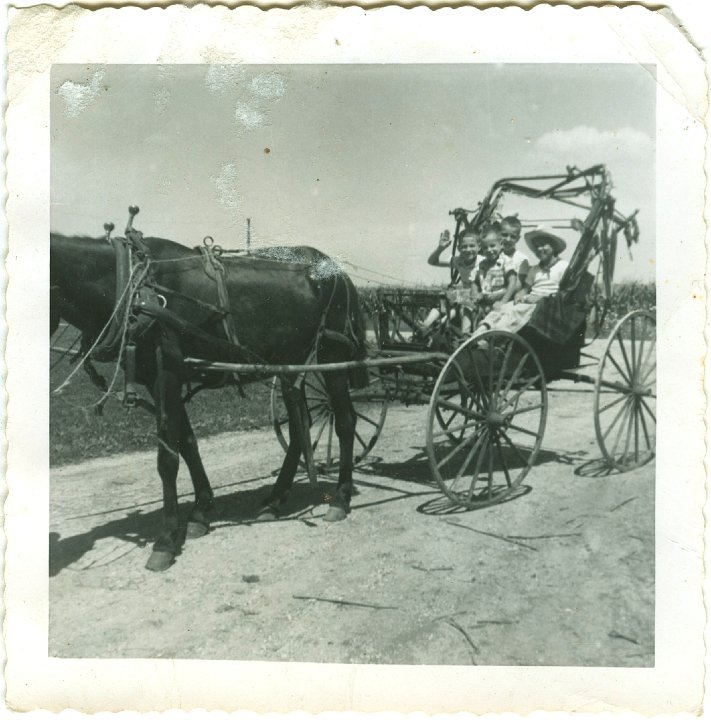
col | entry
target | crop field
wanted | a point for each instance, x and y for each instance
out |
(78, 432)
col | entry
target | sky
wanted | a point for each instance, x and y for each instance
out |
(363, 162)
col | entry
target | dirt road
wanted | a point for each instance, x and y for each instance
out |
(562, 575)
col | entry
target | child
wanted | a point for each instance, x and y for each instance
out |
(465, 265)
(542, 280)
(496, 277)
(510, 235)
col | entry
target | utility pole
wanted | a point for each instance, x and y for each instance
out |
(249, 233)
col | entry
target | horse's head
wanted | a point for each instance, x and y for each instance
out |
(82, 282)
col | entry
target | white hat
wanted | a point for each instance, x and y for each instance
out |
(545, 232)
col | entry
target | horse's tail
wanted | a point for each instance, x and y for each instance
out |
(358, 377)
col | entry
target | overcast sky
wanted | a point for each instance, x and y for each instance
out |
(361, 161)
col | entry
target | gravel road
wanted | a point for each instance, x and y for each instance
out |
(561, 575)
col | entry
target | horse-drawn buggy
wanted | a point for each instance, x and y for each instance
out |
(174, 316)
(488, 394)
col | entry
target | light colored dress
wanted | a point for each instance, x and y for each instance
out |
(513, 316)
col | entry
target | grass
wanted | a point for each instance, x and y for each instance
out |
(77, 432)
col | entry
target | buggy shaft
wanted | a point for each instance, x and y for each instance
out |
(322, 367)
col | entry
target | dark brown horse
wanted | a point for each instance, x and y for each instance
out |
(287, 306)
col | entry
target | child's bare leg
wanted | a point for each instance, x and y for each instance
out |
(431, 319)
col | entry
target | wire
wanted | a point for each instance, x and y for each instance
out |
(374, 272)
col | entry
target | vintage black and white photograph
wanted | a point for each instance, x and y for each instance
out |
(350, 395)
(389, 332)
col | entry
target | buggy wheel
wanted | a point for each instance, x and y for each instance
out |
(626, 393)
(369, 404)
(493, 392)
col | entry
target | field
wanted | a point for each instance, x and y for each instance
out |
(78, 433)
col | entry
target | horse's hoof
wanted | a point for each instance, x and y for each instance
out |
(196, 529)
(267, 514)
(335, 514)
(160, 560)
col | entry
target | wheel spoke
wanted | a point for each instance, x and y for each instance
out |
(635, 412)
(477, 468)
(491, 369)
(640, 354)
(480, 382)
(468, 458)
(528, 408)
(366, 418)
(511, 400)
(514, 448)
(650, 352)
(630, 425)
(452, 452)
(649, 371)
(633, 343)
(320, 432)
(360, 439)
(503, 462)
(523, 430)
(646, 407)
(490, 480)
(504, 364)
(620, 432)
(613, 403)
(458, 429)
(624, 355)
(619, 369)
(644, 427)
(515, 374)
(616, 418)
(461, 410)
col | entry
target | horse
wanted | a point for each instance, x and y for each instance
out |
(280, 306)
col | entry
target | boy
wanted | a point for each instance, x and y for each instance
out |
(510, 235)
(496, 277)
(464, 294)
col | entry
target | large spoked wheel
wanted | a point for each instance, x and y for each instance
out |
(369, 404)
(626, 393)
(486, 419)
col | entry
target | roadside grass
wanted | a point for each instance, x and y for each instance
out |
(77, 432)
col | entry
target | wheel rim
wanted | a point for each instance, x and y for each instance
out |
(492, 392)
(626, 394)
(368, 403)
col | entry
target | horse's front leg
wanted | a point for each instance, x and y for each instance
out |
(345, 422)
(199, 518)
(166, 393)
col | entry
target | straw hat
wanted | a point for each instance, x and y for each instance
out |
(544, 232)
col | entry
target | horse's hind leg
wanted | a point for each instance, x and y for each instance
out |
(199, 518)
(345, 421)
(277, 496)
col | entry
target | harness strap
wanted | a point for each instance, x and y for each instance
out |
(216, 271)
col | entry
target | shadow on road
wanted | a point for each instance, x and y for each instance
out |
(140, 528)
